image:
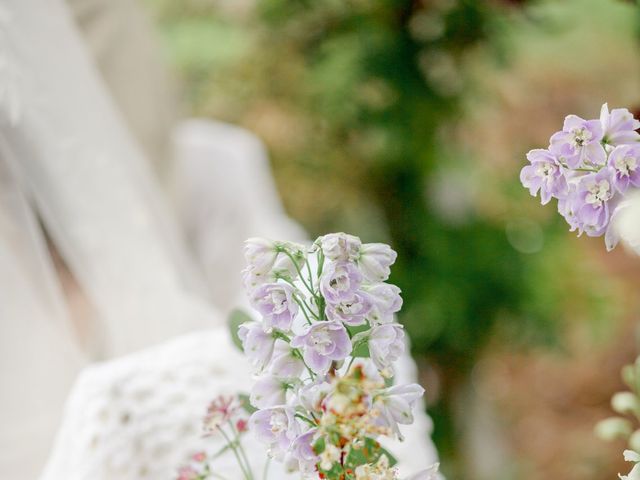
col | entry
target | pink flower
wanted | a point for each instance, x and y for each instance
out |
(220, 410)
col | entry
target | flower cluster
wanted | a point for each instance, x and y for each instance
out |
(589, 167)
(224, 417)
(323, 353)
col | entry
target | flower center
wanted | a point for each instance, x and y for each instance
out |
(278, 423)
(598, 192)
(581, 136)
(279, 300)
(626, 165)
(340, 282)
(352, 307)
(322, 342)
(546, 170)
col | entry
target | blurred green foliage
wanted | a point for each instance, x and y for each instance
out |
(356, 100)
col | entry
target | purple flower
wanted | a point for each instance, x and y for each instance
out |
(340, 246)
(594, 192)
(386, 301)
(543, 174)
(579, 142)
(568, 207)
(397, 403)
(625, 162)
(375, 261)
(269, 391)
(340, 281)
(386, 344)
(352, 311)
(257, 344)
(302, 451)
(276, 427)
(285, 363)
(619, 126)
(276, 304)
(323, 343)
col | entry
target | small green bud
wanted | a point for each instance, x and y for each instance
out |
(612, 428)
(625, 402)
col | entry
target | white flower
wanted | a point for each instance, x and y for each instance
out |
(330, 455)
(634, 474)
(313, 394)
(340, 246)
(381, 470)
(375, 261)
(386, 344)
(269, 391)
(396, 404)
(430, 473)
(260, 254)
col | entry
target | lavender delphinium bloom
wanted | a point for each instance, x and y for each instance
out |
(340, 247)
(619, 127)
(285, 363)
(386, 301)
(579, 142)
(276, 427)
(340, 281)
(625, 162)
(543, 174)
(257, 344)
(386, 344)
(302, 451)
(568, 207)
(269, 391)
(276, 304)
(322, 343)
(352, 311)
(594, 192)
(375, 261)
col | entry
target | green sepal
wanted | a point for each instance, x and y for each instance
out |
(245, 403)
(236, 318)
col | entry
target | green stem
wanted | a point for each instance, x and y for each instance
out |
(266, 468)
(305, 419)
(237, 455)
(241, 448)
(295, 264)
(304, 307)
(350, 364)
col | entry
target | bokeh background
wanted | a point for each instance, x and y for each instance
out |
(407, 121)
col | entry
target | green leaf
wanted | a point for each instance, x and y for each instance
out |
(370, 453)
(319, 445)
(361, 348)
(236, 318)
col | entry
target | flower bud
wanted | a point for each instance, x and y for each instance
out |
(260, 253)
(625, 402)
(612, 428)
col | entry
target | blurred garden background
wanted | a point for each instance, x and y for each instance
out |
(407, 121)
